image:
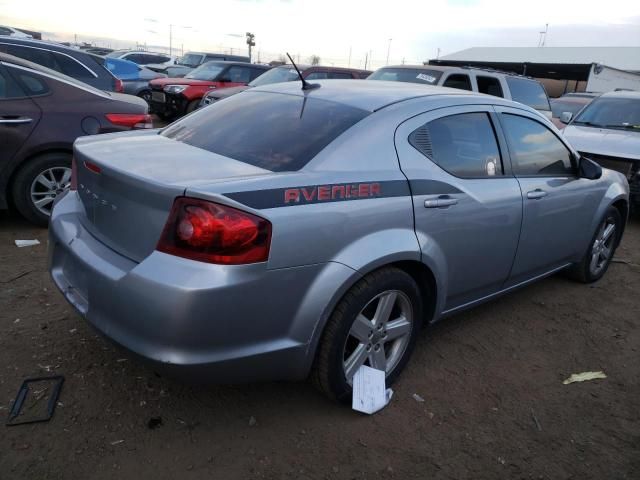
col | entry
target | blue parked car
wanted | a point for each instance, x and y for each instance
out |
(135, 78)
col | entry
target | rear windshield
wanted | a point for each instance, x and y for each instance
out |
(411, 75)
(528, 92)
(273, 131)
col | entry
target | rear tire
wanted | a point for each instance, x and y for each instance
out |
(601, 250)
(40, 180)
(349, 340)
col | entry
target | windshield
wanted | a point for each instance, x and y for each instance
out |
(189, 60)
(116, 53)
(207, 71)
(610, 112)
(276, 75)
(411, 75)
(559, 106)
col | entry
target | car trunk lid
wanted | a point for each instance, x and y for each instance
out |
(127, 184)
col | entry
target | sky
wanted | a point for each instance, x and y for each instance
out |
(341, 32)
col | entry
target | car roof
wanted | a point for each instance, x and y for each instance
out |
(629, 94)
(235, 62)
(42, 44)
(367, 95)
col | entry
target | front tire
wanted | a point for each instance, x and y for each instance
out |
(603, 245)
(376, 323)
(38, 183)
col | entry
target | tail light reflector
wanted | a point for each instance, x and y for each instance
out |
(119, 86)
(130, 120)
(73, 185)
(214, 233)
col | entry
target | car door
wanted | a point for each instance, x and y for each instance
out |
(467, 205)
(557, 204)
(19, 116)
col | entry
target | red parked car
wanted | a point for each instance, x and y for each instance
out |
(174, 97)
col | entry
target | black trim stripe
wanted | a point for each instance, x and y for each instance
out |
(338, 192)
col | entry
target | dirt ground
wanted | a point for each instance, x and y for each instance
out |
(495, 406)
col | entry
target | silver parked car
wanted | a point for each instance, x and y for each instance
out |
(226, 251)
(608, 132)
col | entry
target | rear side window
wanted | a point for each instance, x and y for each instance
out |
(298, 128)
(464, 145)
(534, 149)
(459, 81)
(70, 67)
(8, 86)
(489, 85)
(529, 92)
(32, 84)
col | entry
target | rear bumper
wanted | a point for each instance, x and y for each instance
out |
(196, 321)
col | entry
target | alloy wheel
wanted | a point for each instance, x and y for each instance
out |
(602, 248)
(379, 334)
(47, 186)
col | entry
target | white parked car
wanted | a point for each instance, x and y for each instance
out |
(12, 32)
(161, 60)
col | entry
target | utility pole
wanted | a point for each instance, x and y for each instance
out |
(251, 43)
(543, 36)
(366, 59)
(388, 50)
(349, 56)
(438, 54)
(170, 39)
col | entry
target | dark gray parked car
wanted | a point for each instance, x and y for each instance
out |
(78, 64)
(283, 232)
(140, 86)
(41, 114)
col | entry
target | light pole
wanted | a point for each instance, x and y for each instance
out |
(389, 50)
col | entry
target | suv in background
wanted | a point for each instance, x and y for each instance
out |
(174, 97)
(511, 86)
(159, 60)
(286, 73)
(75, 63)
(191, 60)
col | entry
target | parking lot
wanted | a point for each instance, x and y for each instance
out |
(495, 405)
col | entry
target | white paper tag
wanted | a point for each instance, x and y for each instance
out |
(369, 392)
(426, 78)
(26, 243)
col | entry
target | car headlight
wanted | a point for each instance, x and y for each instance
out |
(175, 88)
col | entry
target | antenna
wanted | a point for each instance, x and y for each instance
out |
(305, 85)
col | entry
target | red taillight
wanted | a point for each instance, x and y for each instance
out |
(92, 167)
(130, 120)
(119, 86)
(73, 185)
(215, 233)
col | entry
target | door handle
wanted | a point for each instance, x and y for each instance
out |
(15, 120)
(536, 194)
(442, 201)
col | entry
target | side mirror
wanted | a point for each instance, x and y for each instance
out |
(565, 117)
(589, 169)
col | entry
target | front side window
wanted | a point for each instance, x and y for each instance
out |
(464, 145)
(298, 128)
(529, 92)
(489, 85)
(534, 149)
(423, 76)
(317, 76)
(238, 74)
(459, 81)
